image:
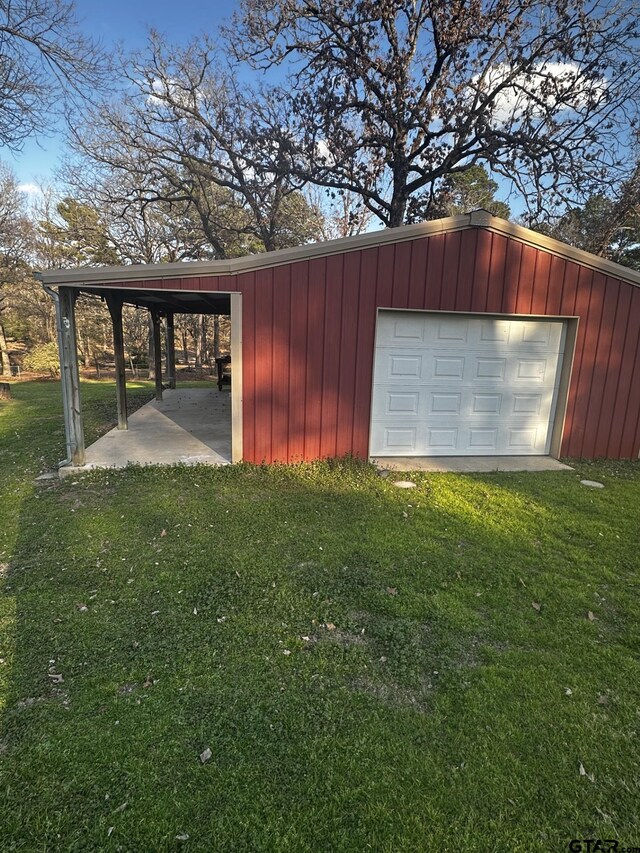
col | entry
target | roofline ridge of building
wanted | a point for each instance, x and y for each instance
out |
(480, 218)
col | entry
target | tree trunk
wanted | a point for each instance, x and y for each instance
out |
(185, 348)
(203, 339)
(87, 353)
(197, 346)
(152, 351)
(216, 336)
(397, 209)
(5, 391)
(5, 366)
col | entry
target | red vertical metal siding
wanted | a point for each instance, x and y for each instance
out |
(309, 337)
(631, 420)
(315, 353)
(298, 360)
(466, 269)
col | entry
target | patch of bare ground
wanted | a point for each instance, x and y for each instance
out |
(54, 695)
(345, 638)
(396, 695)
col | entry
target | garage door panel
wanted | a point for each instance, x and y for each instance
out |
(441, 440)
(400, 404)
(401, 440)
(419, 402)
(490, 369)
(472, 367)
(494, 332)
(488, 332)
(403, 331)
(440, 403)
(482, 440)
(485, 403)
(475, 385)
(450, 330)
(448, 367)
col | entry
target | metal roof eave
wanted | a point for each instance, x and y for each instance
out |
(106, 276)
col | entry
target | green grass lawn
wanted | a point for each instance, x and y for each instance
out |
(364, 663)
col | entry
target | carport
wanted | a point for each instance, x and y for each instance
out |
(181, 425)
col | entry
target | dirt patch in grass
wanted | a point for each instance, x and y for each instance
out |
(396, 695)
(55, 695)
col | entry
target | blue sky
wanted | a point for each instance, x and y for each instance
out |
(120, 22)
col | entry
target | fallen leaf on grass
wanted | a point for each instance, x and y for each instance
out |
(330, 626)
(583, 772)
(121, 808)
(392, 590)
(602, 699)
(163, 532)
(81, 607)
(109, 831)
(286, 652)
(56, 678)
(536, 606)
(148, 682)
(591, 616)
(568, 691)
(205, 755)
(182, 836)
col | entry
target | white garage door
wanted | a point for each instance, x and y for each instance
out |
(464, 385)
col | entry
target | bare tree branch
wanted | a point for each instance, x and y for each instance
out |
(404, 93)
(47, 66)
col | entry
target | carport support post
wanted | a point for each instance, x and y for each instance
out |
(69, 374)
(171, 351)
(115, 309)
(155, 316)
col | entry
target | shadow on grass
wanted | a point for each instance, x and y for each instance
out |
(364, 664)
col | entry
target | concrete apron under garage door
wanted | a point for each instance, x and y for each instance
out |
(189, 426)
(468, 464)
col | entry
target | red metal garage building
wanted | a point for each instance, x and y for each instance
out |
(467, 335)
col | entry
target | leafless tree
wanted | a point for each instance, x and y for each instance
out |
(16, 244)
(139, 231)
(46, 65)
(188, 133)
(343, 213)
(392, 96)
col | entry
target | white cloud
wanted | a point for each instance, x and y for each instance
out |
(324, 153)
(30, 189)
(549, 88)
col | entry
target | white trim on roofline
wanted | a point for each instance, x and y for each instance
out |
(105, 276)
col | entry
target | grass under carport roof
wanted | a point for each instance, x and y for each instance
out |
(365, 663)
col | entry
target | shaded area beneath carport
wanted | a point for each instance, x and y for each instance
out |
(188, 426)
(469, 464)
